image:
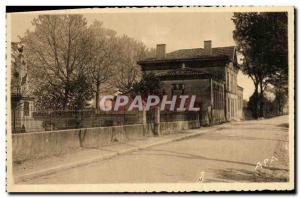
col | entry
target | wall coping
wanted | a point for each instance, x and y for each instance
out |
(72, 130)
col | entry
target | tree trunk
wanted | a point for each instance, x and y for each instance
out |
(261, 101)
(97, 95)
(255, 109)
(279, 108)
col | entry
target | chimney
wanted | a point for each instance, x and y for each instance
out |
(207, 47)
(160, 51)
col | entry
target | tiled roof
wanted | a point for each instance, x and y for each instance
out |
(198, 52)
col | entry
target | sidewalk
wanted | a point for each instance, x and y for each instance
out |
(84, 156)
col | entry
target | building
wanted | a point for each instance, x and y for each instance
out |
(22, 103)
(209, 73)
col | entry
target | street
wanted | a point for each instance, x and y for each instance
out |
(248, 151)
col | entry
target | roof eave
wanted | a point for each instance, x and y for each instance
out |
(143, 62)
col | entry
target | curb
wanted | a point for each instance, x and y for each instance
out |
(55, 169)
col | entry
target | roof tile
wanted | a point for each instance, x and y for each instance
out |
(198, 52)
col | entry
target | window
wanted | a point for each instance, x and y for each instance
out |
(218, 97)
(177, 89)
(215, 96)
(228, 80)
(240, 102)
(26, 109)
(178, 86)
(232, 82)
(221, 99)
(232, 108)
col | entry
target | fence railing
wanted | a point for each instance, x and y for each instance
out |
(37, 121)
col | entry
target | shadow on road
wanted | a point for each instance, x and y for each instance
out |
(240, 175)
(284, 125)
(236, 137)
(159, 152)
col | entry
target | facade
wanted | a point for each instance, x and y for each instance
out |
(21, 103)
(209, 73)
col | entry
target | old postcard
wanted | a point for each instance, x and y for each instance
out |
(159, 99)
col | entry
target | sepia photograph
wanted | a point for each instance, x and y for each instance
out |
(177, 99)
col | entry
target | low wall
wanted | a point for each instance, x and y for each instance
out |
(174, 127)
(27, 146)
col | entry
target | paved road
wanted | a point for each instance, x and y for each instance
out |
(229, 154)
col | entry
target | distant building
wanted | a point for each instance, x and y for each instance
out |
(209, 73)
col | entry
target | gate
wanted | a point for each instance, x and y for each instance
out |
(150, 117)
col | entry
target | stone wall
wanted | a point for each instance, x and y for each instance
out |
(174, 127)
(27, 146)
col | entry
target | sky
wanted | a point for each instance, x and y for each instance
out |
(177, 30)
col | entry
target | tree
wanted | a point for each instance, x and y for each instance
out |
(81, 92)
(262, 40)
(49, 96)
(279, 89)
(57, 52)
(279, 80)
(104, 55)
(148, 85)
(127, 71)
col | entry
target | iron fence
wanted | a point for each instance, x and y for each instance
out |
(37, 121)
(62, 120)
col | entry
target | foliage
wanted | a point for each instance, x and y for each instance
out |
(262, 40)
(71, 63)
(57, 52)
(50, 97)
(148, 85)
(128, 73)
(104, 56)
